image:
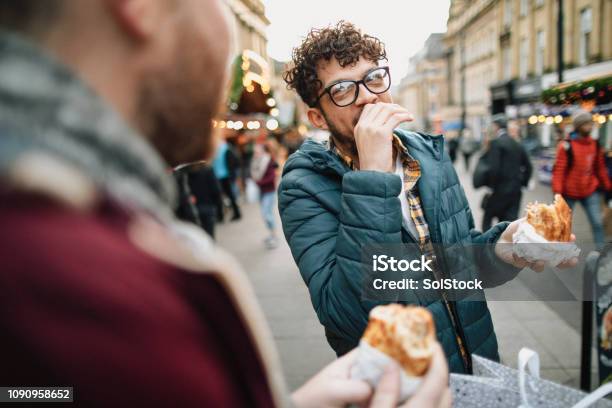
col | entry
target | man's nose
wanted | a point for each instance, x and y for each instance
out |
(365, 96)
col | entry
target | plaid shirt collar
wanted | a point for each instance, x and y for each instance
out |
(350, 161)
(412, 168)
(412, 174)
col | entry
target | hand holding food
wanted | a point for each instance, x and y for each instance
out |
(404, 335)
(543, 237)
(553, 222)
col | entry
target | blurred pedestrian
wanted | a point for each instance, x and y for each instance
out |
(453, 146)
(225, 166)
(580, 170)
(263, 172)
(468, 145)
(206, 191)
(509, 171)
(103, 289)
(186, 209)
(292, 141)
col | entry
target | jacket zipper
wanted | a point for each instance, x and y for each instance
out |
(451, 309)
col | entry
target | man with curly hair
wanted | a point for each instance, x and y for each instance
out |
(376, 183)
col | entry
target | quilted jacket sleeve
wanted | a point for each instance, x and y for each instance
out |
(493, 271)
(326, 243)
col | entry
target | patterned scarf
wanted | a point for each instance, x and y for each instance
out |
(45, 109)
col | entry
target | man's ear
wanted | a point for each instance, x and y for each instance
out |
(139, 19)
(316, 118)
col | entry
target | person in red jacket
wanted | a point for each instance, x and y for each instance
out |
(580, 171)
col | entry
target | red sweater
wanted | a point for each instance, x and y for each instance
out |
(585, 175)
(82, 306)
(267, 183)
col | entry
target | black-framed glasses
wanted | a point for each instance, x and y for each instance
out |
(344, 93)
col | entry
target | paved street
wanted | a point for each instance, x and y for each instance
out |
(300, 337)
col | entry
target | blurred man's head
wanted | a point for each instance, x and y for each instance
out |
(499, 122)
(161, 64)
(329, 56)
(514, 129)
(583, 122)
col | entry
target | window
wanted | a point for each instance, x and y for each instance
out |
(524, 58)
(507, 13)
(524, 7)
(586, 26)
(540, 46)
(507, 62)
(539, 3)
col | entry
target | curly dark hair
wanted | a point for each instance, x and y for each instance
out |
(344, 42)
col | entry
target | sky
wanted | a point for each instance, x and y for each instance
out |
(403, 25)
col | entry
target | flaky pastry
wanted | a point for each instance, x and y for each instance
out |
(553, 222)
(405, 333)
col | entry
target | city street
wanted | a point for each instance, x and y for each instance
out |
(118, 160)
(552, 329)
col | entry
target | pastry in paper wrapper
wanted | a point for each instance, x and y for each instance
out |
(404, 334)
(550, 228)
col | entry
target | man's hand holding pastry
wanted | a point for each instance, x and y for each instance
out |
(543, 225)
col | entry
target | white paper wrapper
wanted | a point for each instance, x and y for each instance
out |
(370, 366)
(552, 253)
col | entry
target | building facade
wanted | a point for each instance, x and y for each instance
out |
(423, 90)
(503, 53)
(248, 23)
(528, 41)
(473, 53)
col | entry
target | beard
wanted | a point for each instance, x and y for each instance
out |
(345, 140)
(178, 102)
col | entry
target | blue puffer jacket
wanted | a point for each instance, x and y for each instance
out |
(329, 212)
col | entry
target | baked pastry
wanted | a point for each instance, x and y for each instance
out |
(405, 333)
(553, 222)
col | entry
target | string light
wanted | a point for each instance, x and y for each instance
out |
(272, 124)
(253, 125)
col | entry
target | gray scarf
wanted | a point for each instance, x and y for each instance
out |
(44, 108)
